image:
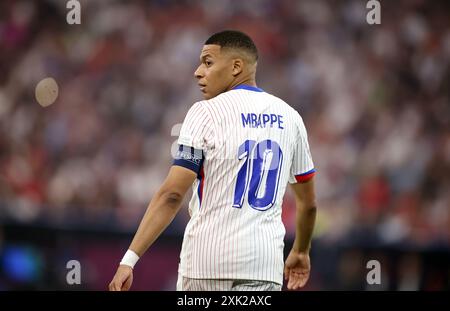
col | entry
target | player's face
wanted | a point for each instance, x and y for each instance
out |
(214, 73)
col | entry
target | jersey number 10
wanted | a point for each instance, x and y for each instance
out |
(259, 175)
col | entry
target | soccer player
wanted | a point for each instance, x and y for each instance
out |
(238, 150)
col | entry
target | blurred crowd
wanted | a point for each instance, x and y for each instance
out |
(375, 100)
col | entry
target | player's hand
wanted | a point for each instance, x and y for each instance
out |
(122, 279)
(296, 270)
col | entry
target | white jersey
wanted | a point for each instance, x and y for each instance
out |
(253, 145)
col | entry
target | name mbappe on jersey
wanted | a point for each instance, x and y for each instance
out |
(261, 120)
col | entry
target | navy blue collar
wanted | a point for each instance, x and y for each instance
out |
(248, 88)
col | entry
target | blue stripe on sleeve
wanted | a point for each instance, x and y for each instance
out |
(308, 172)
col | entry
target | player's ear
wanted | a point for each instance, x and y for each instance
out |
(238, 66)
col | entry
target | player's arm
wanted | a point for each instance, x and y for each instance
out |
(297, 266)
(160, 212)
(163, 207)
(305, 203)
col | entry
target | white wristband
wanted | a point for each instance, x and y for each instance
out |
(130, 258)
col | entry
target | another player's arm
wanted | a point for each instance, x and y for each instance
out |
(160, 212)
(297, 267)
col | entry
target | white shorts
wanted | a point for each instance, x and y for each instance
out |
(188, 284)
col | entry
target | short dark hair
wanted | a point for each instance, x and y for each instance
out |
(234, 39)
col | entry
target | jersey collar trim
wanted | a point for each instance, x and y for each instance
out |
(248, 88)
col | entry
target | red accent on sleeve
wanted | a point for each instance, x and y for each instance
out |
(304, 178)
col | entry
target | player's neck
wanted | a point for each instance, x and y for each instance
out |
(248, 81)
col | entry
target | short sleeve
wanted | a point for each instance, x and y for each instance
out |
(197, 128)
(302, 168)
